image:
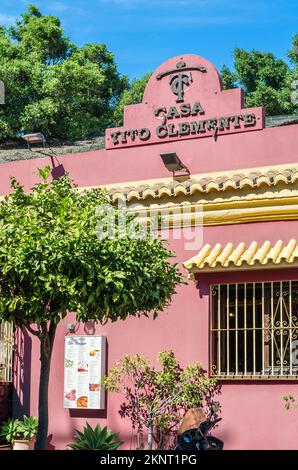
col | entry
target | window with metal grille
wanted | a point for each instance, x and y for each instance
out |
(6, 351)
(254, 330)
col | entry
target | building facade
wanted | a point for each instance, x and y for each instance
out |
(225, 187)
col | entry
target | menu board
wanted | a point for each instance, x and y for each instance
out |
(84, 368)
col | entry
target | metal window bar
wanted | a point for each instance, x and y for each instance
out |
(6, 351)
(271, 330)
(263, 329)
(228, 329)
(236, 327)
(245, 330)
(219, 333)
(281, 328)
(212, 344)
(254, 327)
(291, 325)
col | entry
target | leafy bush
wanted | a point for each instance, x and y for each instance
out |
(95, 439)
(10, 430)
(158, 399)
(14, 429)
(28, 427)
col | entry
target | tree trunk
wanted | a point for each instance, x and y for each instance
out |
(150, 434)
(46, 347)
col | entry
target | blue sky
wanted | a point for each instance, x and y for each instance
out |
(144, 33)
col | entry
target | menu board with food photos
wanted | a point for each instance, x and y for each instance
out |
(84, 368)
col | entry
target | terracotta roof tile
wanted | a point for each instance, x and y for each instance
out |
(249, 178)
(243, 256)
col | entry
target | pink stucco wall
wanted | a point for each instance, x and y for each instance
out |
(253, 412)
(271, 146)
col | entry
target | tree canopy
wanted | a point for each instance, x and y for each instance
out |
(53, 258)
(265, 79)
(52, 85)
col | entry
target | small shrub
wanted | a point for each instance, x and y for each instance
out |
(95, 439)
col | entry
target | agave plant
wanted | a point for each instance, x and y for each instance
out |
(95, 439)
(10, 430)
(28, 427)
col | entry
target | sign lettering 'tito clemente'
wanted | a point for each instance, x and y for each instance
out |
(180, 118)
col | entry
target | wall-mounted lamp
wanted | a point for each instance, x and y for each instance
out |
(71, 327)
(173, 163)
(37, 138)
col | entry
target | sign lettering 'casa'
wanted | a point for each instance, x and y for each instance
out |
(183, 120)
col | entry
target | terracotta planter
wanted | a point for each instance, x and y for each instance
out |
(22, 444)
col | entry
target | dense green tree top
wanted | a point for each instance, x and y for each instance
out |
(53, 86)
(41, 35)
(265, 79)
(293, 52)
(53, 258)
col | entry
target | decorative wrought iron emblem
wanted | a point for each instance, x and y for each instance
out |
(178, 81)
(180, 78)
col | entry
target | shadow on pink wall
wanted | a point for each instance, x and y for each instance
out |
(22, 373)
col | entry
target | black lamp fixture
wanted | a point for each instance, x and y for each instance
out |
(37, 138)
(173, 163)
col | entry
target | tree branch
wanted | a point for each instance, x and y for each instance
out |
(167, 401)
(32, 330)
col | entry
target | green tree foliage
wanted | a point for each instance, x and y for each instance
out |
(157, 399)
(265, 79)
(133, 94)
(53, 86)
(293, 52)
(57, 255)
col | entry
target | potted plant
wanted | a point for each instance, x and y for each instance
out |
(27, 434)
(20, 434)
(9, 431)
(95, 439)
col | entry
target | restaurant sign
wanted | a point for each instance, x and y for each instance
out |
(84, 368)
(183, 100)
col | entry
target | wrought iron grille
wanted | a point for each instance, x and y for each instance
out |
(6, 351)
(254, 330)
